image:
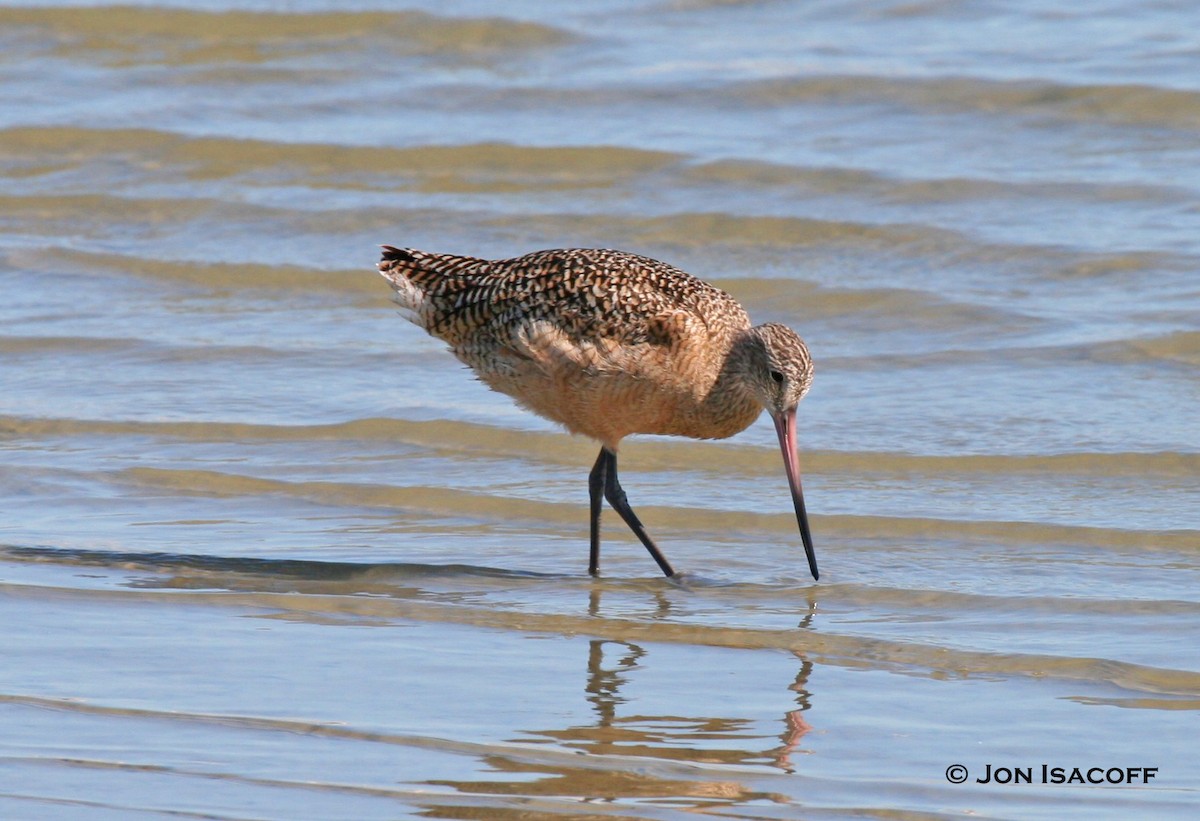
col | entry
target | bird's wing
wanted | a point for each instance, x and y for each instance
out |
(583, 299)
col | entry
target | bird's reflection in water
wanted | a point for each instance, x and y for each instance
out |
(603, 685)
(795, 726)
(708, 739)
(613, 738)
(702, 739)
(663, 607)
(617, 734)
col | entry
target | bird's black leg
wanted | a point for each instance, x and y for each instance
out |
(616, 498)
(596, 480)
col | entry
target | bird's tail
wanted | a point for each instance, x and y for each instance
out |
(421, 279)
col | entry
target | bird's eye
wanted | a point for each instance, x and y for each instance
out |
(777, 376)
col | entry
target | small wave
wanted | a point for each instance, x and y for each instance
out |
(1115, 104)
(1179, 347)
(1175, 348)
(45, 344)
(83, 215)
(478, 167)
(463, 505)
(886, 309)
(131, 35)
(1189, 704)
(285, 570)
(706, 233)
(1008, 532)
(201, 225)
(717, 227)
(861, 183)
(214, 276)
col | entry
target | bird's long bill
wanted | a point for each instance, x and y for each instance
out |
(785, 427)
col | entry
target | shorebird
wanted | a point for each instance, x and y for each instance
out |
(608, 344)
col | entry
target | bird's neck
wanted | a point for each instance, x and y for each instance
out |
(733, 404)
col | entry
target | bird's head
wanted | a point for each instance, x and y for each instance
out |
(779, 372)
(781, 368)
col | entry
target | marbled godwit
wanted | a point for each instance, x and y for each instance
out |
(608, 344)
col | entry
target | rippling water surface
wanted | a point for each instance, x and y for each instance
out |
(268, 551)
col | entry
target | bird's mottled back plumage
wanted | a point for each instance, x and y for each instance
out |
(588, 293)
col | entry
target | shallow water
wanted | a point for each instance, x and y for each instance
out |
(268, 551)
